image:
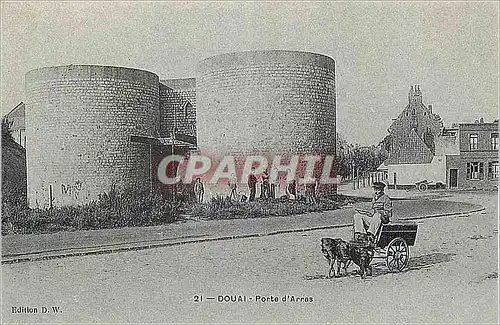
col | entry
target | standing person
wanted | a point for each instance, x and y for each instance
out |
(265, 194)
(311, 193)
(292, 189)
(252, 183)
(199, 190)
(380, 214)
(282, 190)
(232, 187)
(314, 188)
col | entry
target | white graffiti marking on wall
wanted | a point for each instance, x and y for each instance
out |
(71, 189)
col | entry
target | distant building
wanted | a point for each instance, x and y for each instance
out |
(413, 145)
(421, 148)
(476, 164)
(413, 132)
(16, 119)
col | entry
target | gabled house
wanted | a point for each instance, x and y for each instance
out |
(413, 145)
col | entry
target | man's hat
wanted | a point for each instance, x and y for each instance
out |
(378, 185)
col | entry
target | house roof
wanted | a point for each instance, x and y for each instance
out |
(409, 149)
(17, 110)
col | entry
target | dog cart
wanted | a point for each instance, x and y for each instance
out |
(393, 244)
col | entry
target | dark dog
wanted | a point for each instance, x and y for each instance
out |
(361, 255)
(336, 251)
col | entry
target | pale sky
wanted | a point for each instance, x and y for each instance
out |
(381, 48)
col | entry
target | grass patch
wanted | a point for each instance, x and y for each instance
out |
(219, 208)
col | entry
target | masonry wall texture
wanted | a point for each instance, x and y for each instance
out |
(79, 119)
(178, 106)
(266, 102)
(78, 123)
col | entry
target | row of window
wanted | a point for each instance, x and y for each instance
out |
(473, 141)
(414, 113)
(475, 170)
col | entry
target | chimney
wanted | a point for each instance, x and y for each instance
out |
(410, 94)
(430, 108)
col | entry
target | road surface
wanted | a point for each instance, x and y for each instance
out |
(452, 277)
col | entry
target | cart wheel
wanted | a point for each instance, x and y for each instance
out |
(398, 255)
(422, 187)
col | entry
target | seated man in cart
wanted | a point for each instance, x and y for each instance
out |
(367, 223)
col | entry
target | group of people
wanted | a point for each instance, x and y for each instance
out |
(252, 185)
(267, 189)
(291, 189)
(366, 223)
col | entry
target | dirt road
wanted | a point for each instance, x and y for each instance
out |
(452, 277)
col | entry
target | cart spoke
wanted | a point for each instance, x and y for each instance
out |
(392, 265)
(391, 262)
(397, 254)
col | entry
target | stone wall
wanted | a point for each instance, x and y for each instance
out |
(78, 123)
(266, 102)
(408, 174)
(178, 106)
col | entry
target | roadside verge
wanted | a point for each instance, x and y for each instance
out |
(263, 227)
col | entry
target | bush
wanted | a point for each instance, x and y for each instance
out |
(111, 210)
(128, 209)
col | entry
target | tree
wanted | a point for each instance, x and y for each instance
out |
(362, 158)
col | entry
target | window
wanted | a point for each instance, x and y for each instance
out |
(22, 137)
(493, 170)
(494, 141)
(187, 107)
(473, 141)
(475, 170)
